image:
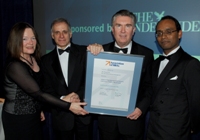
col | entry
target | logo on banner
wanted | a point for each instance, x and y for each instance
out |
(146, 22)
(159, 16)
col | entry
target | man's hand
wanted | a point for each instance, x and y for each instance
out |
(42, 117)
(1, 100)
(72, 97)
(77, 109)
(135, 114)
(95, 48)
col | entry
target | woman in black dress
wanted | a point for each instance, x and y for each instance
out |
(21, 113)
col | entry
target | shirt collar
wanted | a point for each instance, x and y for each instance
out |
(172, 52)
(64, 48)
(128, 46)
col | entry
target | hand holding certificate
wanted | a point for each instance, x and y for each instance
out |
(112, 82)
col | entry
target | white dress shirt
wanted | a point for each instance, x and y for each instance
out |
(64, 58)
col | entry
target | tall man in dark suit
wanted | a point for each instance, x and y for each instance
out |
(114, 127)
(64, 75)
(174, 92)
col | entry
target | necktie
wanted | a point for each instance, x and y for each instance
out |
(116, 49)
(162, 57)
(62, 51)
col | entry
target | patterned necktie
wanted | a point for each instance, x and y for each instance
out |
(62, 51)
(116, 49)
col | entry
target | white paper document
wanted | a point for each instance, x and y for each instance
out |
(111, 84)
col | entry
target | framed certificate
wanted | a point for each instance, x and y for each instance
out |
(112, 81)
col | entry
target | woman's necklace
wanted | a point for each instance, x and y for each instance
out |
(30, 63)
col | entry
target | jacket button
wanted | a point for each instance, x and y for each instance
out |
(161, 101)
(167, 89)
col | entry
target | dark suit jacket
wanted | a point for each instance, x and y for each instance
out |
(127, 126)
(174, 98)
(55, 84)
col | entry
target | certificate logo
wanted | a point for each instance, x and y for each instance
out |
(113, 63)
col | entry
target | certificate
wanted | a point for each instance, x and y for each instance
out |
(112, 82)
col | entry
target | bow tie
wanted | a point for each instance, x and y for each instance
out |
(62, 51)
(162, 57)
(116, 49)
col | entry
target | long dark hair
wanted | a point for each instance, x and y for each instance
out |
(15, 41)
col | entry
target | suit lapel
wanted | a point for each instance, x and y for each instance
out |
(57, 68)
(111, 47)
(155, 70)
(71, 62)
(158, 81)
(169, 67)
(134, 48)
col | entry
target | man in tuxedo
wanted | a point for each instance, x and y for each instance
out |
(64, 75)
(114, 127)
(174, 91)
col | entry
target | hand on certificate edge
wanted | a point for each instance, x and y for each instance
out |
(77, 109)
(135, 114)
(95, 48)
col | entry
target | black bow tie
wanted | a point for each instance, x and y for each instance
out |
(116, 49)
(162, 57)
(62, 51)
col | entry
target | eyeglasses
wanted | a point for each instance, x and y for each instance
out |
(166, 32)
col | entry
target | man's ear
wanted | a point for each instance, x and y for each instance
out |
(180, 34)
(134, 28)
(70, 35)
(52, 35)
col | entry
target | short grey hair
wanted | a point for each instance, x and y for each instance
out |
(124, 12)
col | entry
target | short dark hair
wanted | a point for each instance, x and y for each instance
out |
(124, 12)
(15, 41)
(178, 26)
(59, 20)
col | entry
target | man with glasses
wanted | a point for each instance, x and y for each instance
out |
(174, 93)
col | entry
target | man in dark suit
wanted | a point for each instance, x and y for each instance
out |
(114, 127)
(64, 76)
(174, 91)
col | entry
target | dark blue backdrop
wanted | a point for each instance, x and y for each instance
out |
(90, 20)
